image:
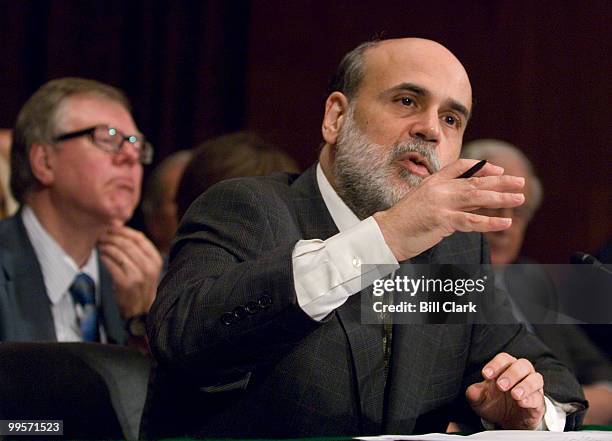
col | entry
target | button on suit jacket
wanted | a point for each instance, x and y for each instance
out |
(275, 372)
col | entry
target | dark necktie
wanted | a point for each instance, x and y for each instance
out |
(83, 291)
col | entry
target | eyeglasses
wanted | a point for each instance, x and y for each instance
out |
(111, 141)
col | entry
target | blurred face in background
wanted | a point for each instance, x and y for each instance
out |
(5, 145)
(506, 245)
(163, 223)
(3, 208)
(5, 142)
(7, 204)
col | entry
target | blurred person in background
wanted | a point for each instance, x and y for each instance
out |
(8, 206)
(605, 253)
(72, 270)
(5, 143)
(600, 334)
(532, 292)
(229, 156)
(3, 202)
(159, 200)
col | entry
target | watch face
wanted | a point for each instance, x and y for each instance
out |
(137, 326)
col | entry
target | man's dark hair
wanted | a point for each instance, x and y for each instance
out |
(229, 156)
(37, 120)
(349, 74)
(154, 189)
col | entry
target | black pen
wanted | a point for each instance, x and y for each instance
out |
(472, 171)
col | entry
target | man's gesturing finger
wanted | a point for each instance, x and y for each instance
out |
(460, 221)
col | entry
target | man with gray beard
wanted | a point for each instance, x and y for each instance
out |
(363, 172)
(257, 325)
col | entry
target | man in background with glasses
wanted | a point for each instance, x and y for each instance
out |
(70, 270)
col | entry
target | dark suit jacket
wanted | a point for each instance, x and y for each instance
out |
(572, 346)
(272, 371)
(534, 292)
(25, 310)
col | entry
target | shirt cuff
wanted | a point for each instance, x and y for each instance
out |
(553, 421)
(327, 272)
(554, 417)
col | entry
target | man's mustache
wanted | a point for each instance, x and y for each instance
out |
(425, 149)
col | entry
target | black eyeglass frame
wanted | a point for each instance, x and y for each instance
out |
(145, 152)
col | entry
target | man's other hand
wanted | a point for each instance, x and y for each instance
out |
(135, 265)
(599, 397)
(511, 395)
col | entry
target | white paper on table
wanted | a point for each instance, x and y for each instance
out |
(500, 435)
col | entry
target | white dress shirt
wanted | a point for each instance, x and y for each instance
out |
(59, 270)
(327, 272)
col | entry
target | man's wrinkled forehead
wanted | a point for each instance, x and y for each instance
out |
(83, 109)
(416, 61)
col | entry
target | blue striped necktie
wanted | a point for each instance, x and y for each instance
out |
(83, 291)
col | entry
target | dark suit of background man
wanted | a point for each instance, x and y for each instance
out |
(76, 170)
(260, 308)
(532, 290)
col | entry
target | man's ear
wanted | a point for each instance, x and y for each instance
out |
(336, 108)
(41, 164)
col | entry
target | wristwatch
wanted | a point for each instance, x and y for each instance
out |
(136, 325)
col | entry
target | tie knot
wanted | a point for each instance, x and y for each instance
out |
(83, 290)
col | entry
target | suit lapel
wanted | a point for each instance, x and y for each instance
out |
(31, 313)
(312, 214)
(366, 347)
(416, 347)
(412, 358)
(365, 341)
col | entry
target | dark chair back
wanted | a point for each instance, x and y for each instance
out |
(98, 390)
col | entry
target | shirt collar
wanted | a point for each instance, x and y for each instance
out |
(58, 268)
(343, 216)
